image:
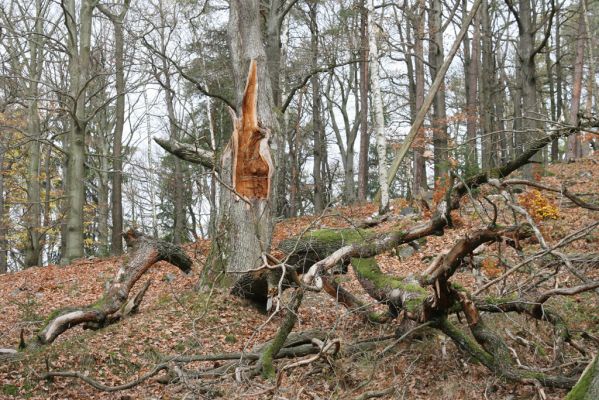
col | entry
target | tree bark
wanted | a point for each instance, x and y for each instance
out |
(79, 46)
(116, 201)
(487, 91)
(245, 221)
(471, 65)
(364, 136)
(32, 215)
(439, 124)
(379, 114)
(317, 125)
(419, 168)
(574, 144)
(3, 225)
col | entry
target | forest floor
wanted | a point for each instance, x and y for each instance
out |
(178, 318)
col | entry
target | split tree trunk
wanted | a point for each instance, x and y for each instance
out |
(245, 221)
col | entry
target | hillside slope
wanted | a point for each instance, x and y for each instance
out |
(178, 318)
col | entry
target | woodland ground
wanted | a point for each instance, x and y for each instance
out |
(177, 318)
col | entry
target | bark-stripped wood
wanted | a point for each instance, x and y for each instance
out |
(115, 303)
(252, 164)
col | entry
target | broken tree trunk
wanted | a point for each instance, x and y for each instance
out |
(245, 223)
(115, 304)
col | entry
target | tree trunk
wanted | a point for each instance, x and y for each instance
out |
(379, 115)
(574, 144)
(3, 225)
(558, 84)
(317, 126)
(79, 45)
(32, 215)
(436, 57)
(245, 221)
(471, 64)
(419, 170)
(294, 150)
(116, 201)
(489, 138)
(364, 137)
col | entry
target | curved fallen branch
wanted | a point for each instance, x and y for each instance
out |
(97, 385)
(115, 303)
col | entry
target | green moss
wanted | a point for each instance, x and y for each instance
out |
(10, 390)
(581, 391)
(367, 268)
(98, 304)
(230, 339)
(345, 236)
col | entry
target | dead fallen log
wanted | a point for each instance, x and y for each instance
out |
(115, 303)
(587, 387)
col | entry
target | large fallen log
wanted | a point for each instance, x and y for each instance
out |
(115, 303)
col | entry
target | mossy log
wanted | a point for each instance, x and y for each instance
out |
(115, 303)
(313, 246)
(587, 387)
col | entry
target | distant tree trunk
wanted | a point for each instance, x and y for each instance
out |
(116, 247)
(528, 82)
(179, 217)
(489, 138)
(79, 45)
(574, 145)
(351, 130)
(419, 171)
(317, 126)
(591, 81)
(558, 84)
(379, 115)
(471, 64)
(32, 215)
(294, 150)
(3, 225)
(436, 57)
(364, 137)
(179, 227)
(499, 104)
(103, 210)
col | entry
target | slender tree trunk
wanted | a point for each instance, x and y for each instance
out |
(558, 84)
(3, 225)
(294, 150)
(379, 115)
(528, 83)
(436, 58)
(116, 202)
(364, 136)
(574, 144)
(419, 171)
(179, 217)
(471, 59)
(32, 215)
(489, 139)
(317, 126)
